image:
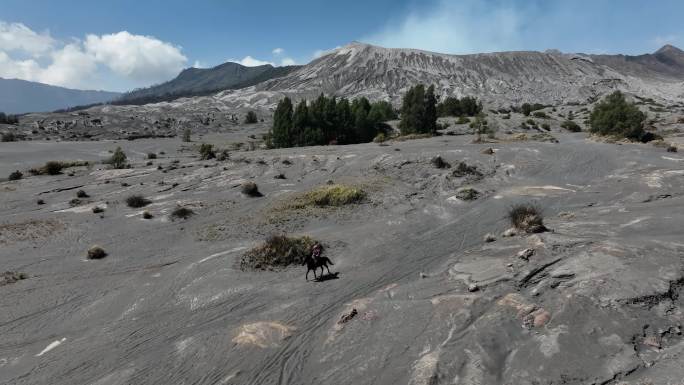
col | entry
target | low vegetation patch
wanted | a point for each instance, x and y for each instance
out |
(438, 162)
(9, 277)
(82, 194)
(207, 151)
(527, 217)
(181, 212)
(96, 252)
(137, 201)
(16, 175)
(277, 252)
(330, 195)
(571, 126)
(467, 194)
(462, 170)
(147, 215)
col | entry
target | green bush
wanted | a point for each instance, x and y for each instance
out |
(615, 116)
(278, 251)
(251, 189)
(527, 217)
(118, 159)
(179, 212)
(137, 201)
(15, 175)
(186, 135)
(251, 118)
(540, 114)
(8, 137)
(52, 168)
(151, 155)
(207, 151)
(571, 126)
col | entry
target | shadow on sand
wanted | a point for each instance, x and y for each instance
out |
(327, 277)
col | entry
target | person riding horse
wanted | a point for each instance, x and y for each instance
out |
(316, 260)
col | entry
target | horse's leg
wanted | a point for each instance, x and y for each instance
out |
(307, 274)
(321, 271)
(326, 266)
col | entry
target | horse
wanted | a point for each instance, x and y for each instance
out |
(314, 263)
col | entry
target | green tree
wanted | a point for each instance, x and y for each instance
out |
(282, 124)
(251, 117)
(418, 111)
(118, 159)
(186, 135)
(300, 121)
(616, 116)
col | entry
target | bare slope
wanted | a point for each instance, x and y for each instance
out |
(597, 300)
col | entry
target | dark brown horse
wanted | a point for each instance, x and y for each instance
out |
(314, 263)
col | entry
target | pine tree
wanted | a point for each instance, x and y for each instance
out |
(430, 122)
(282, 124)
(413, 111)
(300, 123)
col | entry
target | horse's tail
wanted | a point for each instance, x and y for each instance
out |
(326, 259)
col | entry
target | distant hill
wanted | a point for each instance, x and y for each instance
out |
(201, 81)
(667, 62)
(21, 96)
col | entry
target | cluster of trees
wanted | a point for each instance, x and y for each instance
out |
(452, 106)
(328, 120)
(8, 119)
(419, 111)
(615, 116)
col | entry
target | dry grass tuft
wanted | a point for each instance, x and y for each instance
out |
(277, 252)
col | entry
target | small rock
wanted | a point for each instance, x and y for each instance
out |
(489, 237)
(348, 317)
(423, 275)
(526, 254)
(509, 233)
(488, 151)
(473, 288)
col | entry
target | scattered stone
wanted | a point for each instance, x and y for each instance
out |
(473, 288)
(652, 341)
(489, 237)
(512, 232)
(97, 210)
(488, 151)
(146, 215)
(438, 162)
(347, 317)
(423, 275)
(526, 254)
(96, 252)
(280, 176)
(40, 202)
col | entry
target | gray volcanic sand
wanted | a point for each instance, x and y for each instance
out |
(598, 301)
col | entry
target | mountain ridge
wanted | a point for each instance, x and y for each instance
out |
(19, 96)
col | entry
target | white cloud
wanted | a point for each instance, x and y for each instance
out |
(249, 61)
(288, 61)
(456, 27)
(121, 60)
(18, 37)
(142, 58)
(278, 51)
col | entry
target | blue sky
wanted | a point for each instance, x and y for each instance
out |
(119, 45)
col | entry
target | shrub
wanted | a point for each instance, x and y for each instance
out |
(467, 194)
(546, 126)
(671, 148)
(277, 252)
(616, 117)
(438, 162)
(96, 252)
(97, 210)
(379, 138)
(207, 151)
(147, 215)
(8, 137)
(527, 217)
(151, 155)
(82, 194)
(462, 169)
(280, 176)
(137, 201)
(571, 126)
(118, 159)
(9, 277)
(331, 195)
(540, 115)
(462, 120)
(250, 189)
(16, 175)
(186, 135)
(181, 212)
(40, 202)
(251, 118)
(52, 168)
